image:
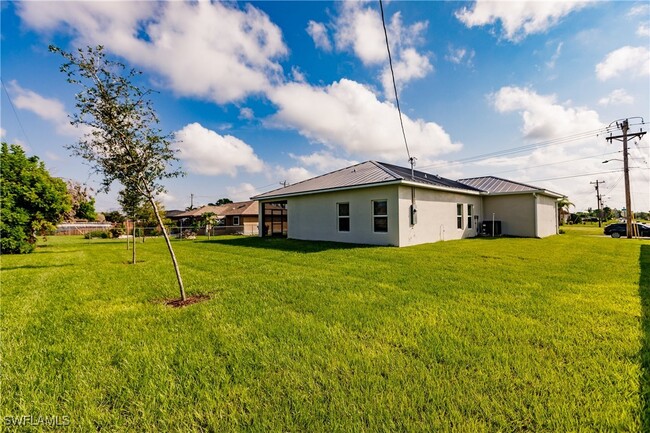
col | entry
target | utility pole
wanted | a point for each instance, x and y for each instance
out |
(284, 183)
(624, 126)
(191, 201)
(599, 198)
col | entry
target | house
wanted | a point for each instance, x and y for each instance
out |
(383, 204)
(233, 218)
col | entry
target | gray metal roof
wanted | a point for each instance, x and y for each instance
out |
(363, 174)
(496, 185)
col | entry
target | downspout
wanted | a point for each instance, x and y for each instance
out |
(535, 214)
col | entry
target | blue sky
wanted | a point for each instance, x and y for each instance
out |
(265, 92)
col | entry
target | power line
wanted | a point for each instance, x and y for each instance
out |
(577, 175)
(392, 74)
(554, 163)
(529, 147)
(15, 113)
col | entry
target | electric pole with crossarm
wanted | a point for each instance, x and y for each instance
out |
(599, 199)
(624, 126)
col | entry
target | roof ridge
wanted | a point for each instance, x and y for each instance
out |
(505, 180)
(382, 166)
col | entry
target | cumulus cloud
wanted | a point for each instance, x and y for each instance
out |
(359, 28)
(347, 117)
(49, 109)
(543, 117)
(634, 61)
(643, 30)
(323, 161)
(206, 152)
(318, 33)
(617, 97)
(518, 18)
(210, 50)
(3, 132)
(242, 192)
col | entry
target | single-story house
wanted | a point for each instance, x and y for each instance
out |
(233, 218)
(384, 204)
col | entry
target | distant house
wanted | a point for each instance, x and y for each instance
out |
(383, 204)
(233, 218)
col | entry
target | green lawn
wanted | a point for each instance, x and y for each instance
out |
(467, 336)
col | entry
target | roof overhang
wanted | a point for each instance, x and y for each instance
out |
(536, 191)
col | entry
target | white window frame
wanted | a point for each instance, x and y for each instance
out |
(470, 215)
(375, 216)
(235, 220)
(340, 217)
(459, 216)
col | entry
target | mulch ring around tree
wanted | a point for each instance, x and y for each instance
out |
(189, 300)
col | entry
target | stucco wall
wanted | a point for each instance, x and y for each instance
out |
(516, 213)
(314, 217)
(546, 216)
(436, 218)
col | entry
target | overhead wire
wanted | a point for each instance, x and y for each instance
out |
(392, 74)
(20, 124)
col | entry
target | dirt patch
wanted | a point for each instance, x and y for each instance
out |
(193, 299)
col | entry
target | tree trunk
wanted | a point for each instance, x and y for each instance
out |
(126, 230)
(169, 246)
(133, 243)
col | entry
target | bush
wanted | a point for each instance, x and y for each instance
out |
(116, 232)
(97, 234)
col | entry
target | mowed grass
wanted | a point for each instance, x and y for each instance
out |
(468, 336)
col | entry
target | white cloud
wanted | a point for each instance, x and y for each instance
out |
(643, 30)
(410, 65)
(293, 175)
(206, 152)
(246, 113)
(297, 74)
(323, 161)
(634, 61)
(237, 49)
(639, 10)
(543, 117)
(347, 117)
(460, 56)
(360, 29)
(318, 33)
(242, 192)
(518, 18)
(3, 132)
(49, 109)
(554, 58)
(617, 97)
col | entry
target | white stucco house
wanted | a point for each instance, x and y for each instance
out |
(383, 204)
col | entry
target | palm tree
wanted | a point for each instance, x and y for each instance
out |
(563, 206)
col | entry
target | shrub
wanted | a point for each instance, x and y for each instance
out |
(116, 232)
(97, 234)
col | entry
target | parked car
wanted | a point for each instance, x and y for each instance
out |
(620, 229)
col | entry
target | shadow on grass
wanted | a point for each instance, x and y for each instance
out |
(282, 244)
(13, 268)
(644, 291)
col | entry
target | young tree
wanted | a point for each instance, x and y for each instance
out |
(220, 202)
(124, 143)
(130, 201)
(31, 201)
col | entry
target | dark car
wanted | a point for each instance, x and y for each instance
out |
(620, 229)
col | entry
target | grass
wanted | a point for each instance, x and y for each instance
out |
(473, 335)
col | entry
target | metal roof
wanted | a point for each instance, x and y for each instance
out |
(363, 174)
(239, 208)
(496, 185)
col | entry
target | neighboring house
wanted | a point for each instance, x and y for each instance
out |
(233, 218)
(384, 204)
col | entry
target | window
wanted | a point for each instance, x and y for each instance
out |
(380, 216)
(470, 212)
(343, 211)
(459, 216)
(235, 220)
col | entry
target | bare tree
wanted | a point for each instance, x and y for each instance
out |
(124, 143)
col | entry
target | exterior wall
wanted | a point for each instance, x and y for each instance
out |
(547, 217)
(250, 224)
(314, 217)
(436, 216)
(515, 211)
